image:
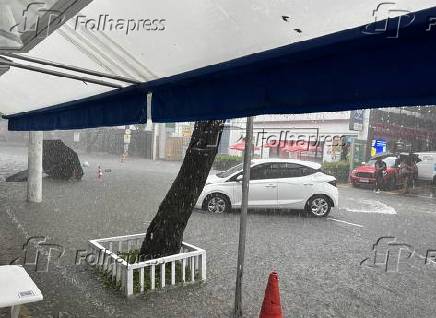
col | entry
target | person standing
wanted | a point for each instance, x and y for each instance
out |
(406, 171)
(380, 168)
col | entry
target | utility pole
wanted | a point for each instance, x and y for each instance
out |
(243, 217)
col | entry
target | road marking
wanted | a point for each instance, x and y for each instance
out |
(371, 206)
(342, 221)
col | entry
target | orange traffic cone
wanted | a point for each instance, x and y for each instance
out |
(271, 307)
(124, 156)
(99, 174)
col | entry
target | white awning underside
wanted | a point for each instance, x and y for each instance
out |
(197, 33)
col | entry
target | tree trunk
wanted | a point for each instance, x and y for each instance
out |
(165, 232)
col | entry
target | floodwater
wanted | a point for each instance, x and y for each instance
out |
(318, 260)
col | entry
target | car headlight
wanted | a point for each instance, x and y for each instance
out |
(333, 183)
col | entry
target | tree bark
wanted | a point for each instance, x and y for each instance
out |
(165, 232)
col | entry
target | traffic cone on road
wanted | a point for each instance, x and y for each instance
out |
(271, 307)
(124, 156)
(99, 174)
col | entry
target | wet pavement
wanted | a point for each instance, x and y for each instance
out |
(325, 265)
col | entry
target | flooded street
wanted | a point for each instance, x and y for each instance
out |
(321, 262)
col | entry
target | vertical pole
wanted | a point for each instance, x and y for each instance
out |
(15, 311)
(162, 140)
(243, 217)
(261, 149)
(155, 141)
(352, 153)
(149, 125)
(34, 165)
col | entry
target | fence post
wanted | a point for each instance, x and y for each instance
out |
(129, 288)
(203, 266)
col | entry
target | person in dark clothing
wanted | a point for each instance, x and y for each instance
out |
(407, 173)
(380, 168)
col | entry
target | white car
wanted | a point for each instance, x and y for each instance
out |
(274, 183)
(427, 166)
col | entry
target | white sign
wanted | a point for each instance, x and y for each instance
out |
(76, 136)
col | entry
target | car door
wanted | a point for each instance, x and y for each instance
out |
(425, 167)
(295, 185)
(263, 187)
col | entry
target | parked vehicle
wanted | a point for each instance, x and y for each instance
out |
(427, 166)
(365, 174)
(275, 183)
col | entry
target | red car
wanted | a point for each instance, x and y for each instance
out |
(365, 174)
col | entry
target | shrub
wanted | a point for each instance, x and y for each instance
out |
(338, 169)
(224, 162)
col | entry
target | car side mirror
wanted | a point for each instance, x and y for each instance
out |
(239, 178)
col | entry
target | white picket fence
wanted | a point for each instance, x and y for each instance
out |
(106, 257)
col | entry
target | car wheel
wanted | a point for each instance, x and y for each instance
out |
(319, 206)
(216, 203)
(355, 184)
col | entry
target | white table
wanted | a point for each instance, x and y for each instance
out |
(17, 288)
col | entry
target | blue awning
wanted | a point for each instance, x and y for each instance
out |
(364, 67)
(351, 69)
(114, 108)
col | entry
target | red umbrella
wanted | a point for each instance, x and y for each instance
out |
(240, 146)
(300, 146)
(291, 145)
(275, 144)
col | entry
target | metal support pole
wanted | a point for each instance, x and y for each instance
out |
(155, 141)
(149, 126)
(72, 68)
(34, 165)
(261, 149)
(243, 218)
(162, 141)
(37, 69)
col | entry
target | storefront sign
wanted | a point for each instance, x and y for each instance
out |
(378, 147)
(356, 119)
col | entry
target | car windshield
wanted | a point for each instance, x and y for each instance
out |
(229, 172)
